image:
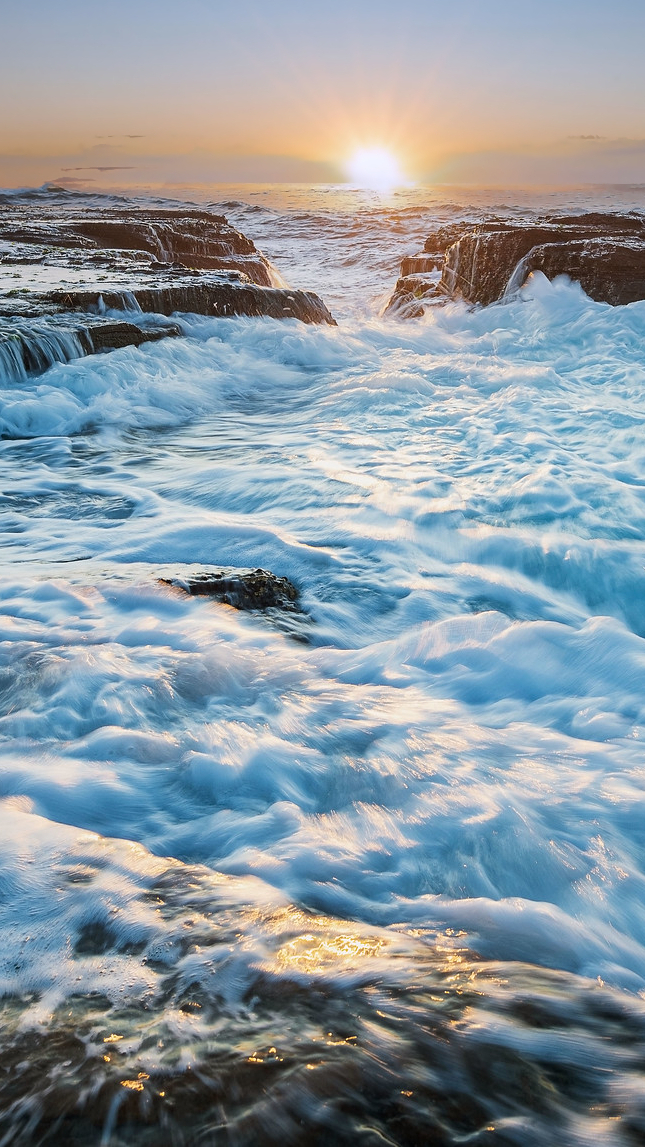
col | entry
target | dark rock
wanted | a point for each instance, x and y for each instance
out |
(609, 272)
(32, 348)
(425, 1049)
(107, 335)
(418, 284)
(217, 296)
(411, 293)
(442, 238)
(483, 263)
(421, 264)
(243, 589)
(608, 261)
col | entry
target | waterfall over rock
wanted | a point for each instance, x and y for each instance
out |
(64, 266)
(484, 263)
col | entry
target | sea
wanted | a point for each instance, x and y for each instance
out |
(371, 873)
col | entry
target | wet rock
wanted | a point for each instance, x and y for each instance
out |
(219, 296)
(26, 351)
(442, 238)
(482, 263)
(605, 255)
(421, 264)
(67, 257)
(443, 1058)
(243, 589)
(32, 348)
(194, 239)
(420, 282)
(411, 293)
(104, 336)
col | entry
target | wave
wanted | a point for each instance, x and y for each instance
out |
(392, 850)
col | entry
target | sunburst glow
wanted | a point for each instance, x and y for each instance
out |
(376, 168)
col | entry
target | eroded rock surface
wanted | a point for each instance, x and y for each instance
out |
(217, 295)
(119, 237)
(482, 263)
(68, 257)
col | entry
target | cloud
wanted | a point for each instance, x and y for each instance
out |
(130, 167)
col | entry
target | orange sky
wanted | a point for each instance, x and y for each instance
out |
(498, 93)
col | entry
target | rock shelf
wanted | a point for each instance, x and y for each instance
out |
(65, 264)
(489, 261)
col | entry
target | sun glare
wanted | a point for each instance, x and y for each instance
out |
(375, 168)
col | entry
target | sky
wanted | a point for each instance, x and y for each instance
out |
(159, 93)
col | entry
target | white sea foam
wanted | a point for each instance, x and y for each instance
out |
(460, 503)
(457, 741)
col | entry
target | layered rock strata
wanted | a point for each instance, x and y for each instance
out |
(64, 264)
(217, 295)
(485, 262)
(122, 237)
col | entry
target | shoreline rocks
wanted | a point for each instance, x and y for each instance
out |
(28, 349)
(484, 262)
(120, 236)
(218, 296)
(63, 265)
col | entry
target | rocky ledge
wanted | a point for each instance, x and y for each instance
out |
(482, 263)
(65, 263)
(122, 237)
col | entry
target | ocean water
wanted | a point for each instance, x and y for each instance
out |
(374, 873)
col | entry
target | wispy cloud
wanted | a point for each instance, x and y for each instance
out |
(70, 181)
(129, 167)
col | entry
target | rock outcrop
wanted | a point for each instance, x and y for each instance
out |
(217, 295)
(32, 348)
(112, 334)
(115, 236)
(65, 263)
(242, 589)
(483, 263)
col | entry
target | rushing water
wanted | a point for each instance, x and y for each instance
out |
(376, 875)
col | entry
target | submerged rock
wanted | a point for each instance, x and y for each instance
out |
(224, 1014)
(243, 589)
(482, 263)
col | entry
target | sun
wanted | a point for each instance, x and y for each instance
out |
(375, 168)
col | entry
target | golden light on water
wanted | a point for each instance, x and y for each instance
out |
(375, 168)
(315, 953)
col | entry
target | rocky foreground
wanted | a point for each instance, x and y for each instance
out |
(64, 263)
(485, 262)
